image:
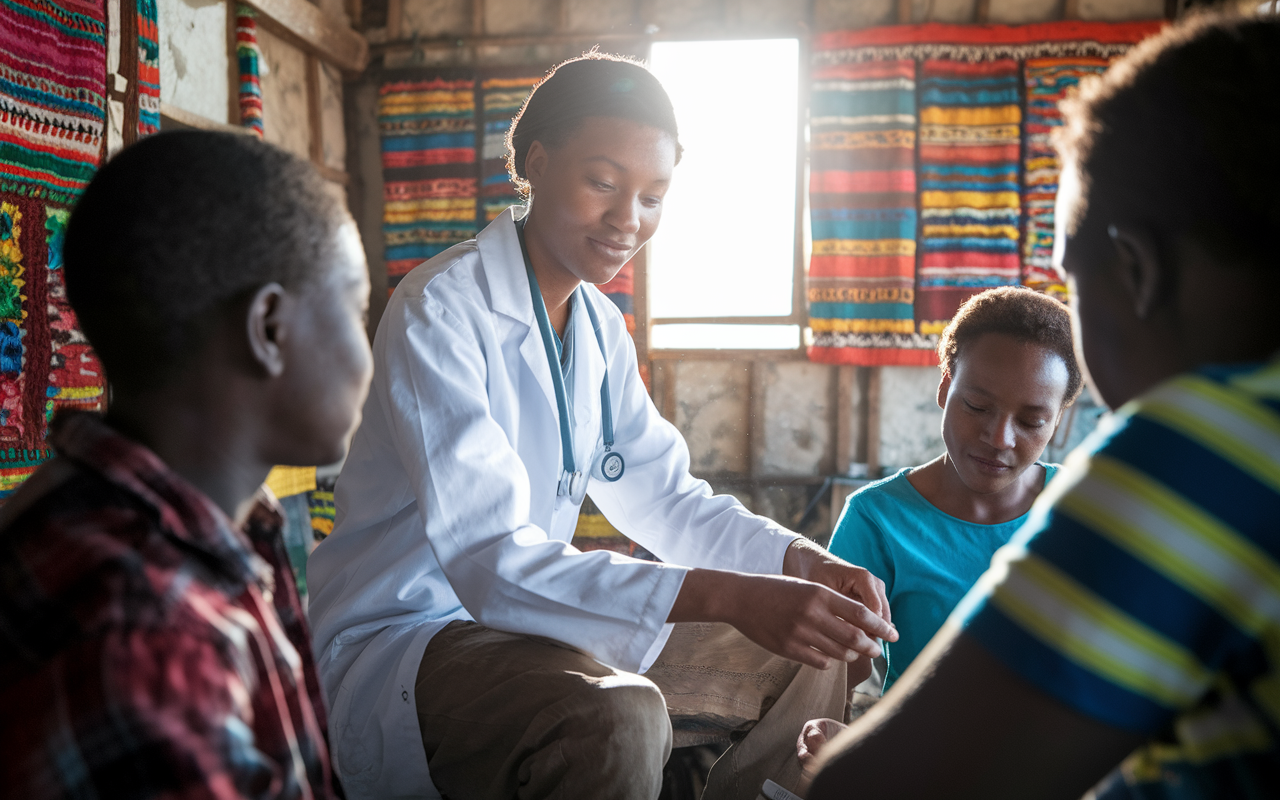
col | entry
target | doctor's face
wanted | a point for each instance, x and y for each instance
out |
(597, 196)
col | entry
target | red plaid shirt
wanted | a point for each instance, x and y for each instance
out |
(140, 653)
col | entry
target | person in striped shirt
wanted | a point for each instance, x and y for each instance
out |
(1126, 642)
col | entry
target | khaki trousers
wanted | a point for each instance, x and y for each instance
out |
(506, 716)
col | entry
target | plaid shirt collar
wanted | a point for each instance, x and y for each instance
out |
(182, 511)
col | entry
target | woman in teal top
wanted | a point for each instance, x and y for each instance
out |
(1008, 373)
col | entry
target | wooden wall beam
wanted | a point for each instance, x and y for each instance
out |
(640, 306)
(477, 18)
(314, 31)
(315, 120)
(796, 354)
(755, 430)
(129, 70)
(904, 12)
(873, 422)
(844, 419)
(191, 119)
(395, 19)
(233, 67)
(982, 12)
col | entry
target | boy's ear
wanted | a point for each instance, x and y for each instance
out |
(1141, 273)
(267, 329)
(944, 386)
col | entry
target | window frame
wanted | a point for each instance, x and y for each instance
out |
(799, 315)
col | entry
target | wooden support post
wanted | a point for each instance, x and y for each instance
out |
(1070, 9)
(640, 307)
(477, 18)
(904, 12)
(315, 119)
(873, 422)
(233, 66)
(562, 16)
(669, 391)
(129, 69)
(755, 430)
(1171, 9)
(844, 419)
(982, 11)
(395, 20)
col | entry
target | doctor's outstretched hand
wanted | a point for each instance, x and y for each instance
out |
(822, 610)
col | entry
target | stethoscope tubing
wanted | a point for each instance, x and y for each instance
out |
(551, 346)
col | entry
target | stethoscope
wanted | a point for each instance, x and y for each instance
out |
(609, 464)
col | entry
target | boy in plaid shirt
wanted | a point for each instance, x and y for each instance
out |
(152, 643)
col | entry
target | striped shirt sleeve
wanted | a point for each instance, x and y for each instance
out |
(1149, 570)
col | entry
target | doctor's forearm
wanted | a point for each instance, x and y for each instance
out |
(704, 596)
(794, 618)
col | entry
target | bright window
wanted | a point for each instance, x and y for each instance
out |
(726, 249)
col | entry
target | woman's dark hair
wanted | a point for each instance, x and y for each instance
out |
(592, 85)
(1181, 134)
(1017, 312)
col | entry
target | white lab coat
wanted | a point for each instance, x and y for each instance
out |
(447, 506)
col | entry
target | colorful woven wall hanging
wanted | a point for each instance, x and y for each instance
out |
(970, 144)
(1047, 81)
(148, 68)
(863, 207)
(429, 168)
(52, 116)
(249, 64)
(933, 175)
(501, 97)
(320, 504)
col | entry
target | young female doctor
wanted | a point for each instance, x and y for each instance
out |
(465, 647)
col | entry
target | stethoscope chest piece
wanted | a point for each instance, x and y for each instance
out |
(608, 466)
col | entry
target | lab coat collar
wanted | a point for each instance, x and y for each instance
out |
(504, 268)
(504, 271)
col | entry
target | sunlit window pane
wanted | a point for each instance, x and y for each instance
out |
(724, 337)
(726, 245)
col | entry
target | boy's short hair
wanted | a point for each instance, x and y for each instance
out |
(177, 226)
(1181, 134)
(1020, 313)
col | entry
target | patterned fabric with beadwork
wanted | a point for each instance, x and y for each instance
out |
(863, 211)
(428, 129)
(500, 99)
(970, 143)
(148, 68)
(249, 62)
(1047, 82)
(52, 115)
(955, 120)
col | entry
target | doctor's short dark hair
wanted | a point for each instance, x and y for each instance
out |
(178, 226)
(1020, 313)
(592, 85)
(1181, 135)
